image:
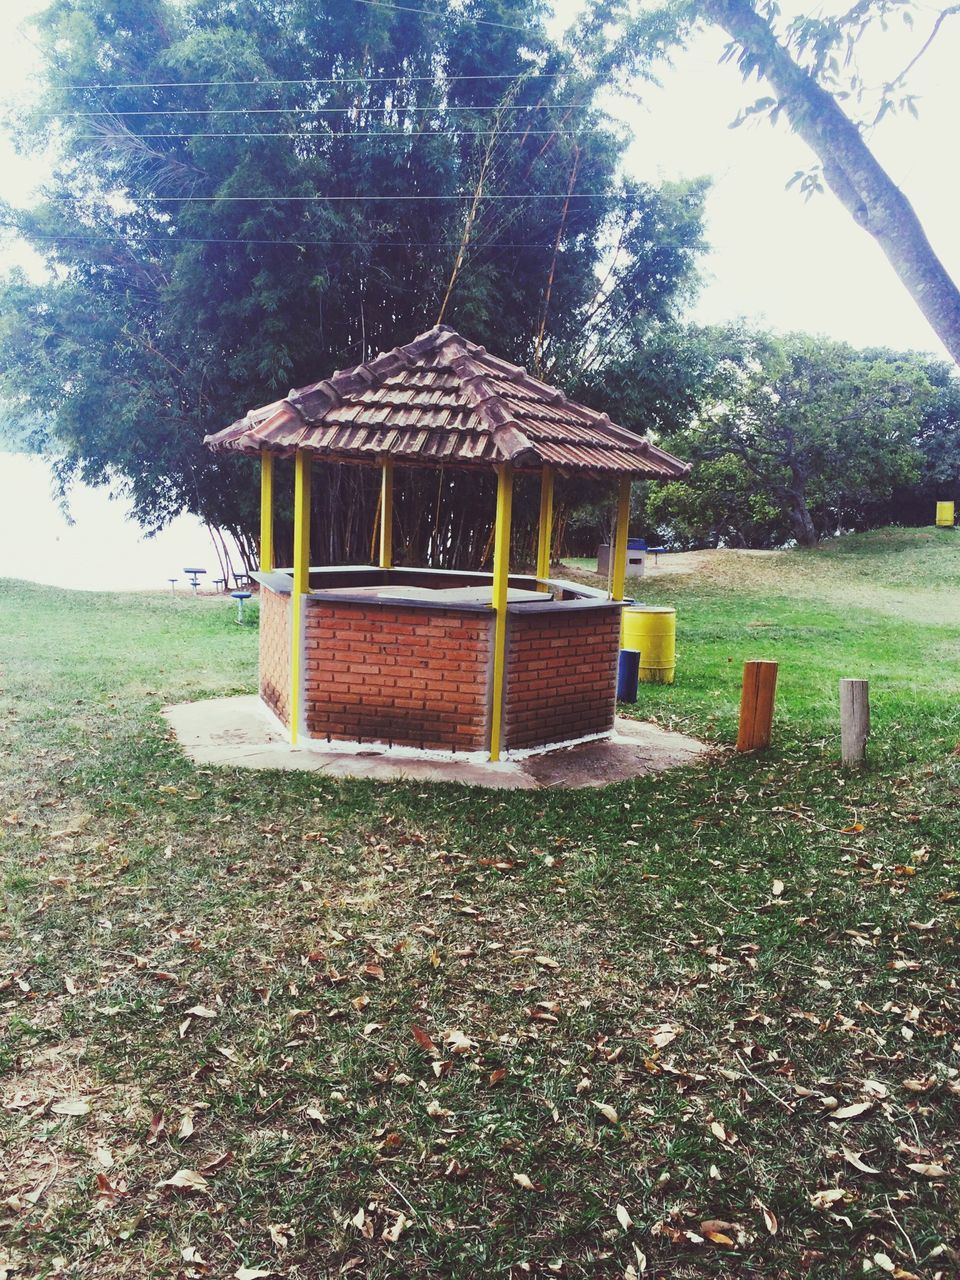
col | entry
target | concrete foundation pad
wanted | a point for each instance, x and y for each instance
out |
(238, 733)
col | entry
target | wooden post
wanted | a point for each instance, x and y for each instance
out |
(854, 720)
(266, 512)
(618, 552)
(301, 582)
(545, 537)
(756, 705)
(386, 513)
(501, 578)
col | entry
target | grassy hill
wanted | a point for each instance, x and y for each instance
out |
(703, 1024)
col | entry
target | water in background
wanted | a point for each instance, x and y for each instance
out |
(103, 550)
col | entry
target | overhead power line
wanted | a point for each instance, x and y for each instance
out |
(432, 13)
(364, 133)
(546, 195)
(68, 238)
(305, 111)
(315, 80)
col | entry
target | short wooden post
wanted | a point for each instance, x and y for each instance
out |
(854, 720)
(756, 705)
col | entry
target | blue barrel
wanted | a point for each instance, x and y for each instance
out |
(628, 675)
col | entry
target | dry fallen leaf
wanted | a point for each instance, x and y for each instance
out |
(850, 1113)
(623, 1217)
(928, 1170)
(279, 1234)
(607, 1112)
(777, 888)
(825, 1198)
(522, 1180)
(71, 1107)
(858, 1162)
(201, 1011)
(252, 1273)
(664, 1035)
(186, 1180)
(457, 1042)
(424, 1041)
(392, 1234)
(769, 1217)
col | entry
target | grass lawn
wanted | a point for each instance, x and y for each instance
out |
(702, 1024)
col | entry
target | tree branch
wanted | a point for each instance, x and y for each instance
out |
(856, 177)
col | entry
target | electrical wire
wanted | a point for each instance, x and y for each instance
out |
(69, 238)
(313, 80)
(305, 111)
(431, 13)
(365, 133)
(547, 195)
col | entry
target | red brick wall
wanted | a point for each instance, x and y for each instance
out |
(411, 677)
(275, 652)
(561, 675)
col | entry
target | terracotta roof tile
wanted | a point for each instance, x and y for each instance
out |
(442, 399)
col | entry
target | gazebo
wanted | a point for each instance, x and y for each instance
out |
(440, 660)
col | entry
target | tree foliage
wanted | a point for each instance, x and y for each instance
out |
(799, 437)
(251, 195)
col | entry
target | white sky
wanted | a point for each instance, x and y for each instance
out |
(774, 258)
(102, 550)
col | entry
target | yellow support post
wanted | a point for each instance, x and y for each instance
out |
(301, 580)
(266, 512)
(620, 540)
(386, 514)
(545, 539)
(501, 576)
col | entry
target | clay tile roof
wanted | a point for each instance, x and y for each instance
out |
(443, 400)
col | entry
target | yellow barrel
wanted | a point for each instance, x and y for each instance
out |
(945, 515)
(654, 632)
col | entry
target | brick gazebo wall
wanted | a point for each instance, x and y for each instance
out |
(406, 674)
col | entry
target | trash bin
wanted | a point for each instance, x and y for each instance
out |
(653, 631)
(628, 674)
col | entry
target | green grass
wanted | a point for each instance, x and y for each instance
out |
(627, 948)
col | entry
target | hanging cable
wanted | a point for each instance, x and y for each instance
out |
(313, 80)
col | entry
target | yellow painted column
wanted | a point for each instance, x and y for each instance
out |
(620, 539)
(266, 512)
(545, 539)
(501, 575)
(386, 514)
(301, 581)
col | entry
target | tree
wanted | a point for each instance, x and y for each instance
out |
(251, 195)
(850, 168)
(797, 436)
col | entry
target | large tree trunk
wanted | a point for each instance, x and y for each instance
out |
(849, 168)
(804, 530)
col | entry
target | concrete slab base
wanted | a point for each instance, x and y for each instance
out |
(238, 733)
